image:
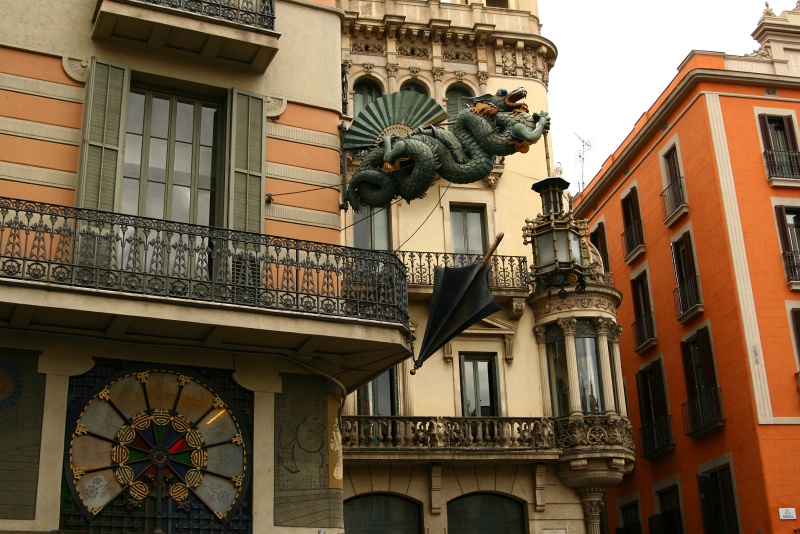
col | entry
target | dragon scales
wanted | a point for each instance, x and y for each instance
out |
(406, 166)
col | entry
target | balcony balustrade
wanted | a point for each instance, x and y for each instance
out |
(632, 237)
(253, 13)
(673, 200)
(505, 272)
(655, 437)
(703, 414)
(86, 249)
(782, 164)
(687, 299)
(791, 262)
(644, 332)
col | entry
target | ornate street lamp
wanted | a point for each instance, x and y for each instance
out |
(556, 239)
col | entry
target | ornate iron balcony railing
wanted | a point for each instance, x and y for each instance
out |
(791, 261)
(644, 329)
(703, 414)
(655, 437)
(59, 245)
(686, 295)
(481, 433)
(254, 13)
(782, 164)
(505, 272)
(632, 237)
(673, 197)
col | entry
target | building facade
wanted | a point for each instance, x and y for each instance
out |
(703, 195)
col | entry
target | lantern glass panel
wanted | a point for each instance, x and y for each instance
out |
(544, 247)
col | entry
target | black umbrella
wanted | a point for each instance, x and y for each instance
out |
(461, 297)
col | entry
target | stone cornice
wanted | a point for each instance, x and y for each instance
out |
(597, 300)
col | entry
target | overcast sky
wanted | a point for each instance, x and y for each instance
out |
(615, 57)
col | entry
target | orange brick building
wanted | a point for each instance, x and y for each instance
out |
(697, 215)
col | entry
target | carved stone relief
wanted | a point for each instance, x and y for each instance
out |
(276, 106)
(77, 69)
(413, 51)
(509, 58)
(368, 48)
(438, 72)
(458, 55)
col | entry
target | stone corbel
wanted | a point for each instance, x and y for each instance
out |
(77, 69)
(436, 489)
(276, 106)
(448, 352)
(508, 346)
(516, 307)
(539, 475)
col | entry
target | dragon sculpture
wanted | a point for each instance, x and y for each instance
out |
(410, 157)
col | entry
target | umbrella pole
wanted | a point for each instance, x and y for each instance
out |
(488, 256)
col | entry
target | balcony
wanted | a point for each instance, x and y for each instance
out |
(673, 202)
(668, 522)
(687, 300)
(633, 241)
(508, 275)
(791, 264)
(131, 278)
(703, 415)
(645, 333)
(238, 33)
(655, 438)
(465, 439)
(783, 168)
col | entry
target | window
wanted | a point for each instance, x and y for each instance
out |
(166, 160)
(703, 413)
(456, 101)
(655, 434)
(479, 385)
(414, 87)
(591, 389)
(365, 92)
(633, 236)
(477, 514)
(557, 370)
(497, 3)
(789, 231)
(468, 225)
(631, 522)
(598, 239)
(644, 326)
(687, 286)
(21, 408)
(674, 196)
(382, 513)
(718, 501)
(379, 396)
(780, 146)
(669, 520)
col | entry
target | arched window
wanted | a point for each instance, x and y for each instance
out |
(456, 101)
(414, 87)
(382, 513)
(364, 93)
(485, 513)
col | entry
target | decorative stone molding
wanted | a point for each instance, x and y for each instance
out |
(483, 76)
(540, 486)
(458, 55)
(594, 433)
(413, 51)
(436, 489)
(603, 299)
(508, 345)
(460, 75)
(303, 175)
(347, 63)
(38, 175)
(77, 69)
(322, 219)
(765, 52)
(301, 135)
(592, 508)
(508, 65)
(58, 91)
(276, 106)
(368, 68)
(40, 131)
(614, 333)
(568, 326)
(414, 71)
(438, 72)
(603, 325)
(391, 69)
(361, 47)
(447, 352)
(538, 331)
(490, 182)
(516, 308)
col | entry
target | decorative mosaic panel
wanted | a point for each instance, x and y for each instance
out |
(157, 448)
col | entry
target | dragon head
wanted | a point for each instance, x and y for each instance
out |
(510, 101)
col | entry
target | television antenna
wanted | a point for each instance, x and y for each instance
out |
(580, 156)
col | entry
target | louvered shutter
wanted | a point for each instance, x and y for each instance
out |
(101, 148)
(247, 165)
(783, 228)
(687, 247)
(728, 498)
(704, 341)
(788, 127)
(657, 390)
(642, 387)
(688, 370)
(705, 488)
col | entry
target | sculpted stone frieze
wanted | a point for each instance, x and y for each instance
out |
(594, 433)
(413, 51)
(458, 55)
(367, 48)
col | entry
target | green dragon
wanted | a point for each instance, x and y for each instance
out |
(406, 166)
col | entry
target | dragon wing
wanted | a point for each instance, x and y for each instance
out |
(396, 113)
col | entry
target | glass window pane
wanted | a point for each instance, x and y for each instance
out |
(208, 126)
(362, 230)
(159, 122)
(183, 164)
(184, 122)
(155, 201)
(206, 171)
(475, 241)
(559, 379)
(484, 379)
(382, 394)
(203, 207)
(181, 198)
(459, 236)
(157, 171)
(589, 375)
(482, 513)
(130, 196)
(133, 156)
(470, 402)
(381, 513)
(380, 221)
(135, 113)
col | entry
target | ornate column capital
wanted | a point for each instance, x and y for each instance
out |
(438, 72)
(568, 325)
(392, 68)
(483, 77)
(614, 332)
(414, 71)
(346, 64)
(368, 67)
(538, 331)
(603, 326)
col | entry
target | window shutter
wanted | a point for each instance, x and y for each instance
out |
(788, 127)
(637, 289)
(641, 385)
(601, 244)
(704, 340)
(688, 370)
(634, 196)
(363, 400)
(728, 499)
(658, 391)
(763, 123)
(676, 262)
(100, 160)
(247, 165)
(687, 247)
(706, 503)
(783, 229)
(796, 325)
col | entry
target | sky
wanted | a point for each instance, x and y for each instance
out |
(615, 57)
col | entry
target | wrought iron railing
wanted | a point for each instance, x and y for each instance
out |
(791, 261)
(686, 295)
(703, 412)
(782, 164)
(369, 432)
(505, 272)
(644, 329)
(59, 245)
(632, 237)
(656, 436)
(673, 197)
(255, 13)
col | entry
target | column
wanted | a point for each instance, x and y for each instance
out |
(592, 508)
(544, 374)
(603, 325)
(391, 70)
(568, 326)
(613, 334)
(405, 369)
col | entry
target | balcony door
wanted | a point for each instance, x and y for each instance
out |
(479, 385)
(468, 227)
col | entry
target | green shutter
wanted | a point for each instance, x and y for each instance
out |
(101, 148)
(248, 118)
